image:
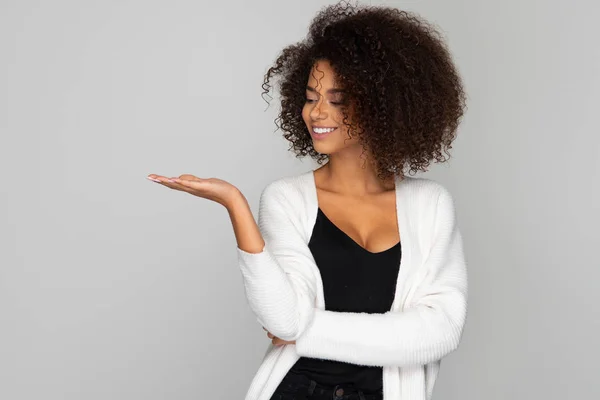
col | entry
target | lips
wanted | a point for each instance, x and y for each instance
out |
(316, 135)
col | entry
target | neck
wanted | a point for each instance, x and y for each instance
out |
(353, 176)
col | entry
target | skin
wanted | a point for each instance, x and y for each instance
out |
(346, 175)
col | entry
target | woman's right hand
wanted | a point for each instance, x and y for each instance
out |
(214, 189)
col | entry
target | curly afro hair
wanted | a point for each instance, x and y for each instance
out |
(402, 87)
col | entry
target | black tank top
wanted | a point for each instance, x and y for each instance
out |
(354, 280)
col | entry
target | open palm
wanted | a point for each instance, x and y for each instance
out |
(214, 189)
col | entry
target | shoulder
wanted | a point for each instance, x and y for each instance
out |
(287, 185)
(428, 200)
(287, 191)
(425, 189)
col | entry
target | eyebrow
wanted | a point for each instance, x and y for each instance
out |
(334, 90)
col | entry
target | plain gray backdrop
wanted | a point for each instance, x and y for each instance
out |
(113, 287)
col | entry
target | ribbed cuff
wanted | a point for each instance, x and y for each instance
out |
(309, 343)
(255, 264)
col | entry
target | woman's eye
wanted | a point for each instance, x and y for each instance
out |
(332, 102)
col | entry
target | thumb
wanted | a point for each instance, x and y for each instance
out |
(189, 177)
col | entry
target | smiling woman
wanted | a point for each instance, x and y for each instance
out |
(378, 93)
(383, 76)
(355, 271)
(322, 112)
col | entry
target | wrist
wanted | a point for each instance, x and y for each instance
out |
(234, 200)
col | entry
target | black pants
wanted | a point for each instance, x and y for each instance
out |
(299, 387)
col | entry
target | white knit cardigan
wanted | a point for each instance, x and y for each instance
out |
(284, 289)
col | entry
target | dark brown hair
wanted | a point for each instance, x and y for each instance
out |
(402, 87)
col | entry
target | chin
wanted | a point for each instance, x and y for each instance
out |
(321, 149)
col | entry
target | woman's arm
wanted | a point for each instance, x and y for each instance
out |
(425, 332)
(278, 278)
(275, 263)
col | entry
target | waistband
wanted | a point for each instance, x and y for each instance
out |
(340, 391)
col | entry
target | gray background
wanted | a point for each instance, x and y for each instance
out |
(114, 287)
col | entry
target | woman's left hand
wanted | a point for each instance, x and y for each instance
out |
(276, 341)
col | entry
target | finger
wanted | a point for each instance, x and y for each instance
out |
(159, 178)
(196, 183)
(172, 183)
(182, 183)
(270, 335)
(152, 177)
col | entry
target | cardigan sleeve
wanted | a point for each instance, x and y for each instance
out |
(279, 283)
(428, 329)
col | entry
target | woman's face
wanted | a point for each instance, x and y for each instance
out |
(322, 109)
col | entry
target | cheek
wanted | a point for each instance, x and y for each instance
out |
(343, 134)
(305, 112)
(306, 117)
(338, 116)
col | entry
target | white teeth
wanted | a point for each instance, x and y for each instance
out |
(323, 130)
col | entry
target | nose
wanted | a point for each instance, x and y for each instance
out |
(317, 111)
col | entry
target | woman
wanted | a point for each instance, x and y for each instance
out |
(355, 270)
